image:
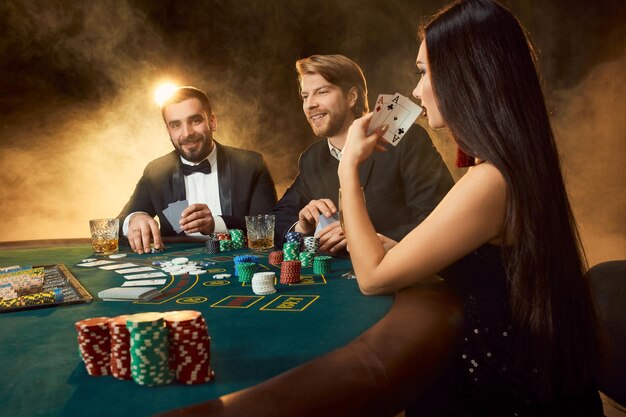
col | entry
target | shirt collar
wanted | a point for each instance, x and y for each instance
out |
(335, 152)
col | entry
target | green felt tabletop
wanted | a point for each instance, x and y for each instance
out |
(41, 373)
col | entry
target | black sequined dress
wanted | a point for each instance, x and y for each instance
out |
(483, 381)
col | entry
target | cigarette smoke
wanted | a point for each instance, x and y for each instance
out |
(78, 123)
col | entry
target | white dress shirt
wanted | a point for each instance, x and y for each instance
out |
(200, 189)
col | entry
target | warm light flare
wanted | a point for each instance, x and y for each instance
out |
(163, 92)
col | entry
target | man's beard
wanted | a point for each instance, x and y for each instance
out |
(331, 128)
(198, 154)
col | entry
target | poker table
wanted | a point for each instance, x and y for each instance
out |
(254, 339)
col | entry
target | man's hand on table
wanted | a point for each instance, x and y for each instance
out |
(143, 229)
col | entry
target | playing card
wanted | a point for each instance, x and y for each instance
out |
(324, 221)
(133, 270)
(144, 276)
(144, 282)
(96, 263)
(381, 101)
(121, 294)
(118, 266)
(173, 213)
(399, 114)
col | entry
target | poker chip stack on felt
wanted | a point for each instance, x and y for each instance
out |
(226, 245)
(246, 271)
(94, 345)
(311, 243)
(306, 259)
(322, 265)
(294, 237)
(275, 257)
(224, 242)
(212, 246)
(290, 272)
(54, 295)
(244, 258)
(263, 283)
(291, 251)
(190, 346)
(25, 284)
(120, 348)
(237, 237)
(7, 292)
(222, 235)
(149, 343)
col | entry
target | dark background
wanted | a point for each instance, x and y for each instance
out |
(78, 122)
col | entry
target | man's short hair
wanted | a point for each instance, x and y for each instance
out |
(342, 72)
(186, 92)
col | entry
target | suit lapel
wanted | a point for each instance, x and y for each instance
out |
(225, 180)
(328, 173)
(178, 180)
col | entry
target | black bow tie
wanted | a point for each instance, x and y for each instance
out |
(203, 167)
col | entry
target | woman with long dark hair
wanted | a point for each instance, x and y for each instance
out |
(504, 237)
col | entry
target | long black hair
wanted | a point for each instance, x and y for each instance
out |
(483, 73)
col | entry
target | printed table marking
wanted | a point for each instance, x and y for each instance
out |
(237, 302)
(289, 302)
(165, 300)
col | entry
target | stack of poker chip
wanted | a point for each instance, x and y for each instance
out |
(290, 272)
(54, 295)
(24, 282)
(311, 243)
(292, 237)
(212, 246)
(244, 258)
(190, 346)
(238, 238)
(291, 251)
(226, 245)
(306, 259)
(149, 349)
(120, 348)
(263, 283)
(7, 292)
(246, 271)
(322, 265)
(94, 345)
(275, 257)
(221, 235)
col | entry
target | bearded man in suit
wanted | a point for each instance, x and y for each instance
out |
(401, 186)
(222, 184)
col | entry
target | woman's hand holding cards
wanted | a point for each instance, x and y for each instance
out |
(359, 145)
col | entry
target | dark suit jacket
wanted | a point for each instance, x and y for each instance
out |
(245, 184)
(402, 186)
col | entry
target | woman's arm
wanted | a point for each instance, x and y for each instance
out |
(471, 214)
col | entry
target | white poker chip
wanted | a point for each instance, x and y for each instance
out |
(179, 261)
(89, 260)
(179, 272)
(117, 255)
(221, 276)
(197, 272)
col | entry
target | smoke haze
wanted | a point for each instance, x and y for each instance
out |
(78, 122)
